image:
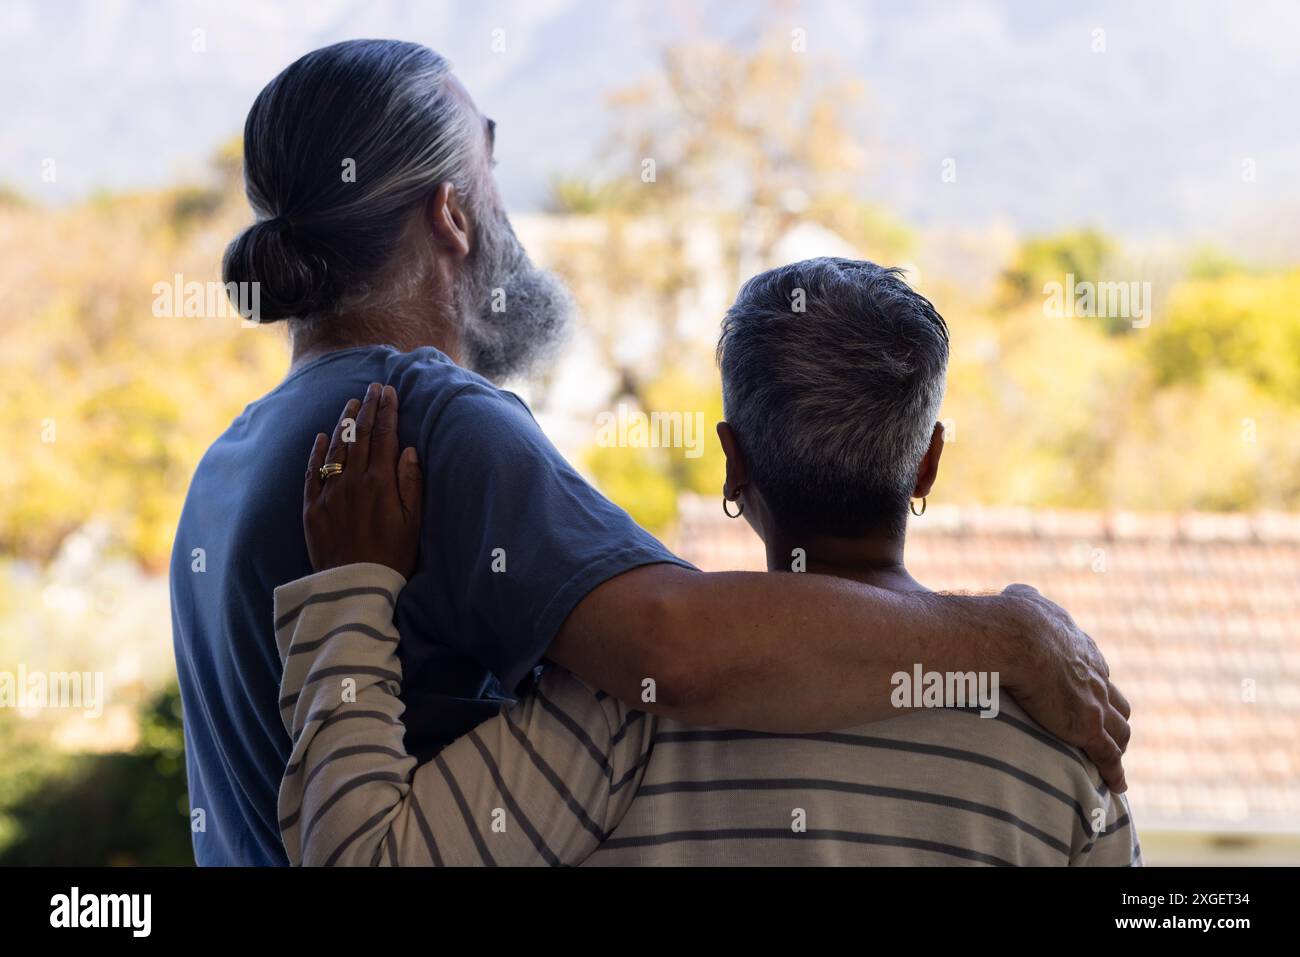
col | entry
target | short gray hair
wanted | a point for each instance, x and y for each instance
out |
(833, 406)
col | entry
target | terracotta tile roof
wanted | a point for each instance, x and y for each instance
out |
(1196, 613)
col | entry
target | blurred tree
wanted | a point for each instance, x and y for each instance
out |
(1082, 253)
(114, 404)
(1208, 262)
(715, 161)
(1199, 410)
(1245, 324)
(125, 808)
(11, 197)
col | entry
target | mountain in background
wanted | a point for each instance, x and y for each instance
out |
(1148, 138)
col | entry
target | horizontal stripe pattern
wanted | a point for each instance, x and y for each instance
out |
(943, 788)
(288, 618)
(571, 776)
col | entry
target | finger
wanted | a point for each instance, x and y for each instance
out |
(1117, 728)
(1118, 700)
(383, 440)
(359, 454)
(410, 486)
(1105, 753)
(338, 452)
(312, 483)
(1100, 663)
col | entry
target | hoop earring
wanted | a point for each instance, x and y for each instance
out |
(740, 508)
(912, 506)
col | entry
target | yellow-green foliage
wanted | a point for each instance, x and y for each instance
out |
(110, 407)
(1082, 253)
(1245, 325)
(1200, 410)
(646, 481)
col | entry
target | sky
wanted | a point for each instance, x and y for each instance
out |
(1148, 137)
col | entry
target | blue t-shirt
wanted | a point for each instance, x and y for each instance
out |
(472, 637)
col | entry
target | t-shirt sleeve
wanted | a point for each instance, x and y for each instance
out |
(512, 534)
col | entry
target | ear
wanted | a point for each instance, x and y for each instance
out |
(448, 223)
(737, 467)
(929, 469)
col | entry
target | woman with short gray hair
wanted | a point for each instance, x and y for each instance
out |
(831, 428)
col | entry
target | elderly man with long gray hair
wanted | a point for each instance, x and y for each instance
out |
(381, 242)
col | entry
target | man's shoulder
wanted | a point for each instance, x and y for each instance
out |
(432, 388)
(429, 384)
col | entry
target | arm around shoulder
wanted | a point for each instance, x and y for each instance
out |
(794, 653)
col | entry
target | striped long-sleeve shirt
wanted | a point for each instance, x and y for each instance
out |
(569, 775)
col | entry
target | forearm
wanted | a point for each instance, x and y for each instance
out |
(351, 795)
(347, 790)
(778, 652)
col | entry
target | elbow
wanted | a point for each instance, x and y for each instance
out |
(683, 694)
(682, 677)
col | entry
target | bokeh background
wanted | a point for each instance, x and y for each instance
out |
(1145, 474)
